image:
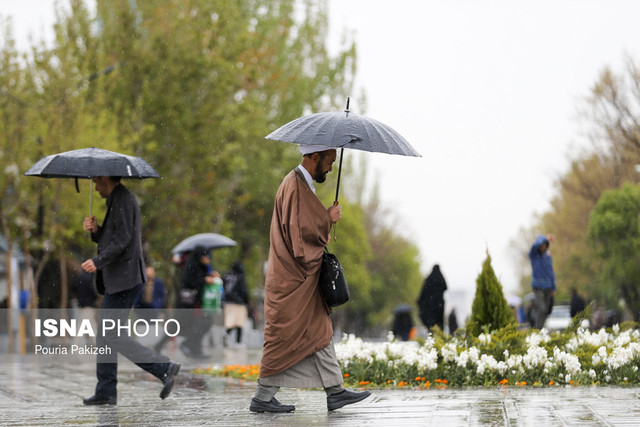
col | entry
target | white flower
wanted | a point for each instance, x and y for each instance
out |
(449, 352)
(462, 359)
(484, 338)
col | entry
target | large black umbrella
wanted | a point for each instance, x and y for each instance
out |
(206, 240)
(90, 162)
(344, 130)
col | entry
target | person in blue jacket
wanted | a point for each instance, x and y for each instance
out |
(543, 279)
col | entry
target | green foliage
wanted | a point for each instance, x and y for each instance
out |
(614, 228)
(610, 113)
(191, 86)
(490, 310)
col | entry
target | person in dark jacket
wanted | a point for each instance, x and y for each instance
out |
(431, 300)
(453, 322)
(197, 272)
(236, 300)
(543, 279)
(402, 323)
(120, 273)
(577, 304)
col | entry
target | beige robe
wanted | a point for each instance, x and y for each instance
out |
(297, 322)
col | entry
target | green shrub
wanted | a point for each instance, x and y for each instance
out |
(490, 310)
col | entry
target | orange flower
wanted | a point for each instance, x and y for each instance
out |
(346, 375)
(445, 382)
(552, 382)
(364, 382)
(438, 380)
(504, 381)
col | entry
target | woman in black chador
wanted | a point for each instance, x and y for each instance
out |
(431, 301)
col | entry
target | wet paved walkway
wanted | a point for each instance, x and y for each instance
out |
(37, 393)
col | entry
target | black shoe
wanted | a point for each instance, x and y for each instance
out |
(271, 406)
(346, 397)
(99, 400)
(168, 379)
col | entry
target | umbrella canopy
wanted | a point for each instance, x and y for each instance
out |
(90, 162)
(206, 240)
(402, 308)
(344, 130)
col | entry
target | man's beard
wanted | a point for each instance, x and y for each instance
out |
(319, 176)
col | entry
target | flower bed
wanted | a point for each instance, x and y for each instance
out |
(506, 357)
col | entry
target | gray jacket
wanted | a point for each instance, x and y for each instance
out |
(119, 261)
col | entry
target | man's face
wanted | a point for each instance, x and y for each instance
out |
(324, 165)
(102, 185)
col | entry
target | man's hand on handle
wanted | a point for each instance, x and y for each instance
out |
(335, 212)
(90, 224)
(89, 266)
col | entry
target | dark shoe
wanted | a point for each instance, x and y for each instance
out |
(168, 379)
(99, 400)
(346, 397)
(271, 406)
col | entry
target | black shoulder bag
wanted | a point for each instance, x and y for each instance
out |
(333, 285)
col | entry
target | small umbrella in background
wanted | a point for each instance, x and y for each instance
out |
(344, 130)
(89, 162)
(206, 240)
(402, 308)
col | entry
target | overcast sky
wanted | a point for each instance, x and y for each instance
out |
(486, 91)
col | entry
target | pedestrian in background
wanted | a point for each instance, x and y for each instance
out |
(543, 279)
(298, 348)
(402, 324)
(197, 273)
(431, 300)
(577, 304)
(152, 296)
(453, 322)
(120, 274)
(236, 301)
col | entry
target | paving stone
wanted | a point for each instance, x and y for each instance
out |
(34, 392)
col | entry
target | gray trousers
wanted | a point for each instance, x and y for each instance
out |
(321, 369)
(543, 305)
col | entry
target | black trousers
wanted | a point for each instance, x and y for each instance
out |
(115, 310)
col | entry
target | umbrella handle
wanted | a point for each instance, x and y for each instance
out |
(335, 202)
(335, 225)
(90, 198)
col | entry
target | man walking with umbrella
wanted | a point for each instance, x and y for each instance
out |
(120, 270)
(298, 349)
